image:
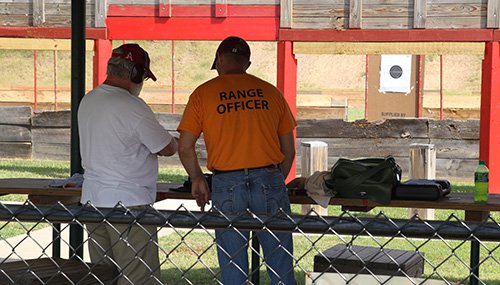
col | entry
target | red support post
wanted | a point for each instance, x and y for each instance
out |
(287, 83)
(173, 76)
(489, 141)
(102, 53)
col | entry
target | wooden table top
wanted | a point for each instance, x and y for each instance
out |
(458, 201)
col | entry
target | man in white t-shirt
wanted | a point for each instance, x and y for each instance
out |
(120, 140)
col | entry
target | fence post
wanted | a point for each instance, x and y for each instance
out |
(422, 166)
(314, 158)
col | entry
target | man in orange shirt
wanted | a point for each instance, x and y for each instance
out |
(248, 131)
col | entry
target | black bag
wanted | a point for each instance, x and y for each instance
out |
(369, 178)
(422, 189)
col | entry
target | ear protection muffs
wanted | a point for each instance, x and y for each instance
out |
(137, 73)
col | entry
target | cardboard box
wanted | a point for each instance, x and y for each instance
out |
(387, 105)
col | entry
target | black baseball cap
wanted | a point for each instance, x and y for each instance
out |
(234, 45)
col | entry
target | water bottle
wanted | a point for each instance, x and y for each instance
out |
(481, 183)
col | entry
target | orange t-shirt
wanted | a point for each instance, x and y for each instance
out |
(241, 117)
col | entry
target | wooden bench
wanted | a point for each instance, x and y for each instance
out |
(392, 262)
(55, 271)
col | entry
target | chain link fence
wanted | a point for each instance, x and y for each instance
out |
(344, 249)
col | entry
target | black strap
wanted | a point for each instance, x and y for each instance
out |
(354, 181)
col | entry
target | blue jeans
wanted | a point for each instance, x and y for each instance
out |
(262, 191)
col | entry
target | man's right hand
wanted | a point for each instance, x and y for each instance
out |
(200, 191)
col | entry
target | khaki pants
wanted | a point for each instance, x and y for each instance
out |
(131, 249)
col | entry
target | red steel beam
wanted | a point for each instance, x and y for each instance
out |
(287, 83)
(434, 35)
(496, 36)
(49, 32)
(102, 53)
(265, 29)
(272, 11)
(489, 140)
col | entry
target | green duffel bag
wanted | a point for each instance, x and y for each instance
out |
(368, 178)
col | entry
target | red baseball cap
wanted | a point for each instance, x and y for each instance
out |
(234, 45)
(135, 54)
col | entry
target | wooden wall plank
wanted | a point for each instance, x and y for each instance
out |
(420, 14)
(15, 20)
(286, 13)
(456, 130)
(57, 13)
(363, 147)
(380, 147)
(51, 151)
(52, 119)
(15, 116)
(457, 169)
(391, 14)
(452, 10)
(394, 128)
(320, 10)
(493, 17)
(462, 23)
(51, 136)
(38, 12)
(355, 14)
(456, 149)
(10, 133)
(392, 11)
(15, 150)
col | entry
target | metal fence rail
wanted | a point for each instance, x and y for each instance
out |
(187, 250)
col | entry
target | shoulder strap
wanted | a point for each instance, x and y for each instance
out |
(354, 181)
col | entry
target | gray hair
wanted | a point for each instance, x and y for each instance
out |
(119, 67)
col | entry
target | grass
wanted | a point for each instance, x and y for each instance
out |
(354, 113)
(195, 250)
(449, 259)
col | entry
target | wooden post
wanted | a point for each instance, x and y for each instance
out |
(355, 14)
(38, 12)
(419, 14)
(286, 10)
(100, 13)
(493, 17)
(422, 166)
(314, 158)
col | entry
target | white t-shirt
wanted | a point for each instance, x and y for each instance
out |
(119, 139)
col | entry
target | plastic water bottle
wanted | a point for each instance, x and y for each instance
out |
(481, 183)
